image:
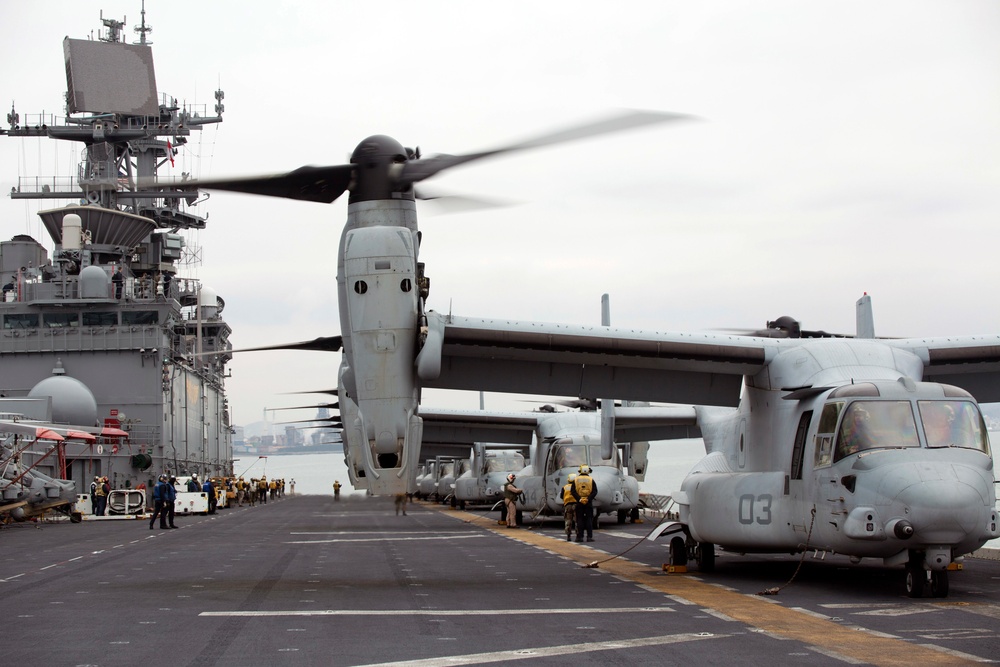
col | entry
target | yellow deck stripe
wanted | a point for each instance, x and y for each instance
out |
(752, 610)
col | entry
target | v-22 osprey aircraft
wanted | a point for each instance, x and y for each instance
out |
(382, 287)
(871, 448)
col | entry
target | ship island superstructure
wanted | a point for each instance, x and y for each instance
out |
(105, 333)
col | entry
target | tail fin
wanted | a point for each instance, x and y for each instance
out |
(607, 405)
(866, 321)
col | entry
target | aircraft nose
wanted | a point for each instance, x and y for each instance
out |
(609, 487)
(943, 511)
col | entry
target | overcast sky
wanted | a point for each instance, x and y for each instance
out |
(844, 147)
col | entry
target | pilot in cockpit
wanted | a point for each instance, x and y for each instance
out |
(854, 435)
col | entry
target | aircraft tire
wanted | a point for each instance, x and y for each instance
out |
(939, 583)
(519, 518)
(916, 578)
(706, 557)
(678, 551)
(622, 516)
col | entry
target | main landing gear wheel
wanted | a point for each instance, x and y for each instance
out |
(939, 583)
(706, 557)
(916, 579)
(622, 516)
(678, 552)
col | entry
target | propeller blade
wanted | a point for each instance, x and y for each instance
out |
(445, 203)
(417, 170)
(334, 421)
(321, 344)
(332, 392)
(332, 406)
(318, 184)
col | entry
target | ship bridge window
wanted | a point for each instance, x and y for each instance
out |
(140, 317)
(20, 321)
(100, 319)
(953, 424)
(61, 320)
(876, 425)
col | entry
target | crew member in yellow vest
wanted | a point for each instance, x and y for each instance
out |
(584, 490)
(336, 490)
(569, 505)
(241, 491)
(262, 490)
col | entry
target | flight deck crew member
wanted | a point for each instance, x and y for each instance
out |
(209, 488)
(169, 499)
(118, 279)
(510, 495)
(569, 506)
(584, 490)
(336, 490)
(159, 503)
(101, 495)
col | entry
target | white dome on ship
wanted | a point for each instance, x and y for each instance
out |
(208, 299)
(72, 401)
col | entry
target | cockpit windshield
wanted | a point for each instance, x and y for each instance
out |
(953, 424)
(876, 425)
(505, 463)
(571, 456)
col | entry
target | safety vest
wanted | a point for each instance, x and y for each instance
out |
(584, 486)
(568, 498)
(99, 489)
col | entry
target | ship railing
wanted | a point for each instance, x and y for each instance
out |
(48, 185)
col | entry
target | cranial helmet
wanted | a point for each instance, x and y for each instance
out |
(571, 477)
(511, 477)
(585, 469)
(163, 478)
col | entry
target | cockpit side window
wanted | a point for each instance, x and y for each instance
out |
(823, 455)
(953, 424)
(876, 425)
(596, 460)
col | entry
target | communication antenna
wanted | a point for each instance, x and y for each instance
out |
(142, 29)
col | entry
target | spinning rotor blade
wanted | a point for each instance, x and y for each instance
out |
(332, 392)
(321, 344)
(417, 170)
(332, 406)
(786, 327)
(318, 184)
(334, 422)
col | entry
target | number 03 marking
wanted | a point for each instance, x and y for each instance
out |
(750, 514)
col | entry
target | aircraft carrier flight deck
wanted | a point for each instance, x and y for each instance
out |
(308, 580)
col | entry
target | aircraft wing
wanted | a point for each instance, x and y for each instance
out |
(969, 362)
(655, 423)
(564, 360)
(458, 427)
